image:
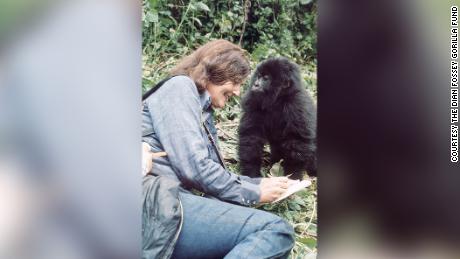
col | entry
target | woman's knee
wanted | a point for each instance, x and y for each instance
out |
(282, 226)
(274, 222)
(282, 234)
(278, 226)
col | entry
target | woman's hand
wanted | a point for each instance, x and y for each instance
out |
(147, 158)
(273, 187)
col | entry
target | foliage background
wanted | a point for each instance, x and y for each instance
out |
(173, 29)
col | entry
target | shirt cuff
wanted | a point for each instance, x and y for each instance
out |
(250, 193)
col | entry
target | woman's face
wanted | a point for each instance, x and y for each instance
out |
(221, 93)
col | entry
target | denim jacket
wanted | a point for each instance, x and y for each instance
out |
(172, 121)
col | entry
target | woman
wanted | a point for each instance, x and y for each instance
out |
(177, 119)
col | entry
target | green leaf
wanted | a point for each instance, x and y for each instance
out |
(152, 17)
(197, 21)
(299, 201)
(288, 215)
(305, 2)
(225, 25)
(153, 3)
(202, 6)
(294, 206)
(167, 12)
(309, 241)
(313, 228)
(276, 169)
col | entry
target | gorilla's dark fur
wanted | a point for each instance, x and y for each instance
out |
(277, 109)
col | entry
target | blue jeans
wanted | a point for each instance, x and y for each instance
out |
(216, 229)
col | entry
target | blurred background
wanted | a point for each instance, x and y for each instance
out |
(70, 169)
(387, 188)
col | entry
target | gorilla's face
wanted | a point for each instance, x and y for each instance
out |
(272, 75)
(261, 83)
(273, 79)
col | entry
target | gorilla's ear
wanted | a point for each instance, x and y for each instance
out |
(292, 78)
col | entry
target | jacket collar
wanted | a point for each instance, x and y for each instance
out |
(205, 100)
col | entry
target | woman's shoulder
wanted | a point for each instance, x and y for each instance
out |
(181, 83)
(180, 88)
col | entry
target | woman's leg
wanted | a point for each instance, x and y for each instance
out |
(216, 229)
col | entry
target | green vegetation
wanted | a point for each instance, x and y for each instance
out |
(173, 29)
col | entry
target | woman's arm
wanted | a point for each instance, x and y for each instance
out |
(255, 180)
(176, 114)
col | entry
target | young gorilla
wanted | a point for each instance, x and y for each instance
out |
(277, 109)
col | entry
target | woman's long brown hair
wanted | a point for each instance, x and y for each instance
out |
(217, 61)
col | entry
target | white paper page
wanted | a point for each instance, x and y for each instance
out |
(294, 188)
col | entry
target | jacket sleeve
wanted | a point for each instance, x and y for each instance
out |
(255, 180)
(176, 118)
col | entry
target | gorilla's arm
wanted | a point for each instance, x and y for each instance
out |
(299, 145)
(251, 144)
(300, 117)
